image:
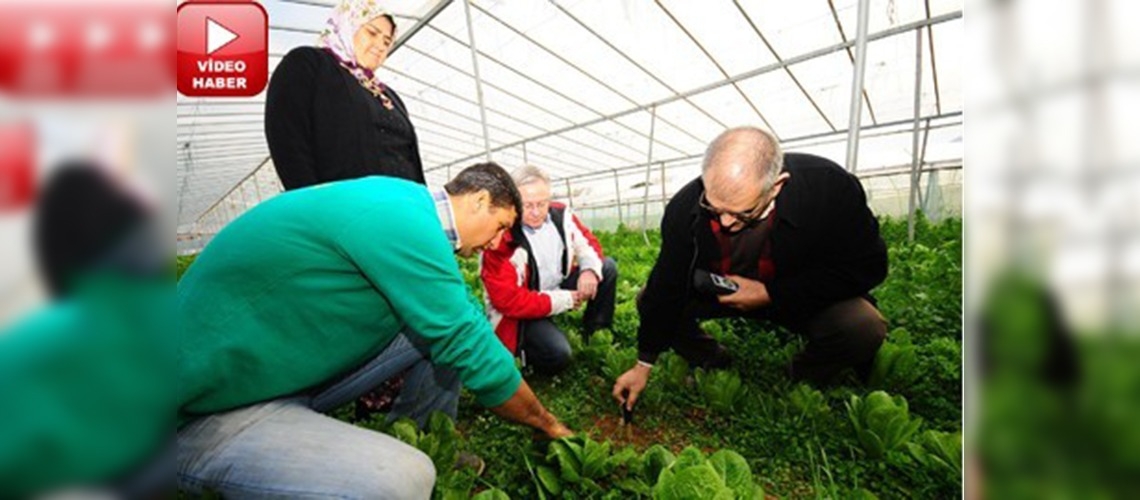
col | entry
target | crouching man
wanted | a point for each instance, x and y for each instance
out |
(315, 297)
(548, 265)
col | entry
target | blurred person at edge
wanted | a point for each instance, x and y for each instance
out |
(549, 264)
(794, 232)
(328, 117)
(85, 381)
(314, 297)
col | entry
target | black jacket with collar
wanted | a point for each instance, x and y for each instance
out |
(826, 247)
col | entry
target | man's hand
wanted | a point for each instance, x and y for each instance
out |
(751, 295)
(553, 430)
(523, 407)
(587, 284)
(578, 299)
(634, 380)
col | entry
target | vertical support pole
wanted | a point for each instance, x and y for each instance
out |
(617, 192)
(857, 87)
(569, 192)
(664, 194)
(915, 153)
(526, 159)
(648, 171)
(478, 79)
(922, 161)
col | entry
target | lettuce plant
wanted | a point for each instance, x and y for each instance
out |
(655, 459)
(809, 403)
(440, 443)
(617, 361)
(882, 423)
(721, 389)
(673, 369)
(938, 450)
(580, 464)
(600, 344)
(492, 494)
(723, 476)
(895, 364)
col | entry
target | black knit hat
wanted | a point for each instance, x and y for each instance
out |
(81, 214)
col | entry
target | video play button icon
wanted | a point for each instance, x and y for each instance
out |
(223, 48)
(217, 36)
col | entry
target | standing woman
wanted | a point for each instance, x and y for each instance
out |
(328, 117)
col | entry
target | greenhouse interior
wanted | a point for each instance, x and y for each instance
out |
(617, 102)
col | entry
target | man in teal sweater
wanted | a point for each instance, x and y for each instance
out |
(314, 297)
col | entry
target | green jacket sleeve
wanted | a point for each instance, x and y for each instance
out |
(409, 260)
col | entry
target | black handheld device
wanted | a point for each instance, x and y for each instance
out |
(626, 413)
(713, 284)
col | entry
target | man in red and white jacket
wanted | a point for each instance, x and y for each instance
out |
(547, 265)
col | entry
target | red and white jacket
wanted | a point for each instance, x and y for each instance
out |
(510, 275)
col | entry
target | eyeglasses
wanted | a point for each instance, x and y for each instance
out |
(536, 205)
(748, 218)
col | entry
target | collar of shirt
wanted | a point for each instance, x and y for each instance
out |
(446, 215)
(531, 230)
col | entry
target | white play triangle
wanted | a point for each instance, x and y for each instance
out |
(217, 36)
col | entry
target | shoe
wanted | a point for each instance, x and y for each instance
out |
(471, 461)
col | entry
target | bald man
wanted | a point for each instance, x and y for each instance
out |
(795, 235)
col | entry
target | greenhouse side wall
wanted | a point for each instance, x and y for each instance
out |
(939, 197)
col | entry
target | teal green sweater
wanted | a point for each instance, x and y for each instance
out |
(312, 283)
(86, 385)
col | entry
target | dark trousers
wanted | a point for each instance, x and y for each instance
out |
(544, 345)
(846, 334)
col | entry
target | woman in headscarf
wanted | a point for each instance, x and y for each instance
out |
(328, 117)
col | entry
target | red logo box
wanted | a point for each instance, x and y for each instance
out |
(223, 49)
(17, 165)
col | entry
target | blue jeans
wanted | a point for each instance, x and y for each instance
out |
(287, 448)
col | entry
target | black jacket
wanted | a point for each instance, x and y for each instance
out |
(825, 247)
(323, 126)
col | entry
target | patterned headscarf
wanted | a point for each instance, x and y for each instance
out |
(346, 19)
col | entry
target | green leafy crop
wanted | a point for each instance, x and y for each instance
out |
(726, 475)
(721, 389)
(895, 364)
(617, 361)
(440, 443)
(882, 423)
(809, 403)
(581, 465)
(940, 451)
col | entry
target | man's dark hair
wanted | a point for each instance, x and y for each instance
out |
(80, 215)
(494, 179)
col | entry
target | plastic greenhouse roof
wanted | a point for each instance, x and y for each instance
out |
(579, 88)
